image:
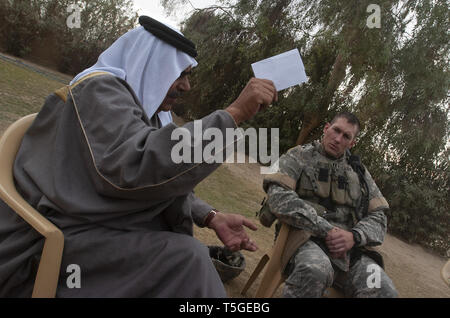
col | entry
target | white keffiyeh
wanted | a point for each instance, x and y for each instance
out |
(149, 65)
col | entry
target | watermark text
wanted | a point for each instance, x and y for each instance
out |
(211, 146)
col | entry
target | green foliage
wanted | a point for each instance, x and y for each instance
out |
(18, 25)
(102, 22)
(394, 78)
(419, 207)
(22, 91)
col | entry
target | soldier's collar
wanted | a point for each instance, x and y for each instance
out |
(319, 147)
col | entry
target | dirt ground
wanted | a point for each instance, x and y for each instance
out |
(414, 270)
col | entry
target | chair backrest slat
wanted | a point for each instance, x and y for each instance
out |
(49, 266)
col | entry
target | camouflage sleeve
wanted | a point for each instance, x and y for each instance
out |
(290, 209)
(285, 203)
(372, 228)
(289, 170)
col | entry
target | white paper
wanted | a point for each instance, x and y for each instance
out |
(284, 70)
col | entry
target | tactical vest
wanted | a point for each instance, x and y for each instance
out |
(329, 183)
(325, 184)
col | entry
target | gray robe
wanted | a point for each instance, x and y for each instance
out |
(102, 172)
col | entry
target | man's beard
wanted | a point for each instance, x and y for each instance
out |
(174, 94)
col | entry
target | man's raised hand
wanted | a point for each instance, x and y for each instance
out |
(258, 94)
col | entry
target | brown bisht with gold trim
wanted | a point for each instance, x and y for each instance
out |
(102, 172)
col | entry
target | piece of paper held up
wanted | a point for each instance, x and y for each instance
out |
(284, 70)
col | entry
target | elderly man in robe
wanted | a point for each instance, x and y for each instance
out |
(97, 163)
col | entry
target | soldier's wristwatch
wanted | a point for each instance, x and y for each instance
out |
(356, 238)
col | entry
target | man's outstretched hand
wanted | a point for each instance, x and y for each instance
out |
(230, 230)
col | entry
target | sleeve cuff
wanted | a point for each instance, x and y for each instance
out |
(229, 115)
(363, 237)
(199, 210)
(324, 227)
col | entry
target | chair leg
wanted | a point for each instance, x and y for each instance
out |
(262, 262)
(270, 282)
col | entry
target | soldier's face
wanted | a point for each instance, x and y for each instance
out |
(338, 137)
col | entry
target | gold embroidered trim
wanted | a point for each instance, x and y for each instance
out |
(64, 91)
(95, 165)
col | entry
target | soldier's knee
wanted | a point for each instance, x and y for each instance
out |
(384, 288)
(367, 279)
(309, 280)
(321, 273)
(387, 289)
(382, 292)
(389, 292)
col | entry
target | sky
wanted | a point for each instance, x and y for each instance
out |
(154, 9)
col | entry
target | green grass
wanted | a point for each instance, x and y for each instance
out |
(22, 91)
(230, 193)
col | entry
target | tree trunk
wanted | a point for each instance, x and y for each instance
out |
(309, 124)
(337, 75)
(313, 120)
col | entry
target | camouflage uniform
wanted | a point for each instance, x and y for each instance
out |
(316, 193)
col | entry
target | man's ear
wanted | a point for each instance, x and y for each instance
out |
(327, 125)
(352, 143)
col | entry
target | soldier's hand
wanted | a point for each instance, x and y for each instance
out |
(230, 230)
(257, 95)
(339, 241)
(337, 255)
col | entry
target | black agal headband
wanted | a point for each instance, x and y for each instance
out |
(168, 35)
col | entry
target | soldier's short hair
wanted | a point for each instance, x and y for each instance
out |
(351, 119)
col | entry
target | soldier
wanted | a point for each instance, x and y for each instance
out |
(324, 190)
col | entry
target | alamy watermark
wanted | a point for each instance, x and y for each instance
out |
(74, 19)
(374, 279)
(74, 279)
(374, 20)
(211, 146)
